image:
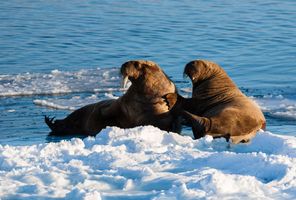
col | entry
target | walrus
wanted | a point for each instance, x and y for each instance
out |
(217, 107)
(142, 104)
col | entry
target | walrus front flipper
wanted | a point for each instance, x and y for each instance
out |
(200, 125)
(174, 103)
(170, 99)
(177, 104)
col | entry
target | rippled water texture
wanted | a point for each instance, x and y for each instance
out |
(55, 52)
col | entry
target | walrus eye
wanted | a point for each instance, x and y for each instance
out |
(137, 65)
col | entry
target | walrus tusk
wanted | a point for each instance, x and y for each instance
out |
(124, 82)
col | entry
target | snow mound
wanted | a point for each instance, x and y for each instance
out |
(147, 163)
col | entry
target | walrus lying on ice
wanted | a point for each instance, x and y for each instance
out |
(142, 104)
(217, 107)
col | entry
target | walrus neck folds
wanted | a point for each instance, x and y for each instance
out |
(217, 87)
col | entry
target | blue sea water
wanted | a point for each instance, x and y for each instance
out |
(58, 55)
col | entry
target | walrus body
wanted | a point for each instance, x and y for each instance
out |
(142, 104)
(217, 107)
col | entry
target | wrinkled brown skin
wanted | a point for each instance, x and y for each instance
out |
(142, 104)
(217, 107)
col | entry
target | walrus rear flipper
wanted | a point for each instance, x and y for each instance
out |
(200, 125)
(50, 123)
(57, 127)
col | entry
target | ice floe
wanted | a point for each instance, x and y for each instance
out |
(60, 82)
(147, 163)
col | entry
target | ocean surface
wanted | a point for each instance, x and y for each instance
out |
(56, 56)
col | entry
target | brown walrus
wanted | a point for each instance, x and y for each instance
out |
(217, 107)
(142, 104)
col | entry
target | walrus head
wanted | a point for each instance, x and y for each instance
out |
(135, 69)
(146, 76)
(199, 70)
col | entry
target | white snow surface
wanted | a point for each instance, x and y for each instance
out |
(147, 163)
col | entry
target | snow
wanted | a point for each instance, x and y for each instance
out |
(147, 163)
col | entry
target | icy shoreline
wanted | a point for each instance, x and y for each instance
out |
(147, 163)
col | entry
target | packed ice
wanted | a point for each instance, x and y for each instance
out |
(147, 163)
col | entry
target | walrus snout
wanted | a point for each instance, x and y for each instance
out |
(130, 70)
(198, 70)
(191, 70)
(134, 69)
